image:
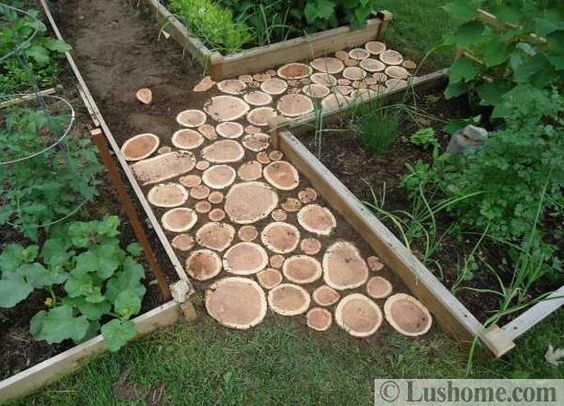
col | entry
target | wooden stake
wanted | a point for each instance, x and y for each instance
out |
(127, 205)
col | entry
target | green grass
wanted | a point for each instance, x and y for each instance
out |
(416, 28)
(280, 362)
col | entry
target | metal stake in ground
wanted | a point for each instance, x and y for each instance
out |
(115, 177)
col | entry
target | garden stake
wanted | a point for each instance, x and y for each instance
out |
(115, 177)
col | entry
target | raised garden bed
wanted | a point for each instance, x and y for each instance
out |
(220, 66)
(36, 363)
(351, 167)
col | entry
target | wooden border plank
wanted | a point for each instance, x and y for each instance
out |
(172, 25)
(298, 127)
(97, 118)
(524, 322)
(220, 66)
(449, 311)
(34, 378)
(298, 49)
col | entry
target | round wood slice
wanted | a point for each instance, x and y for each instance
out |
(223, 151)
(258, 98)
(245, 258)
(219, 176)
(316, 219)
(325, 296)
(319, 319)
(237, 303)
(232, 86)
(407, 315)
(282, 175)
(179, 219)
(343, 267)
(226, 108)
(378, 287)
(167, 195)
(269, 278)
(216, 236)
(358, 315)
(229, 129)
(191, 118)
(249, 202)
(187, 139)
(375, 47)
(302, 269)
(280, 237)
(294, 71)
(261, 116)
(328, 65)
(391, 57)
(288, 299)
(140, 147)
(203, 265)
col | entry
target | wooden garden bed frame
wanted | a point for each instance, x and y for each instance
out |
(451, 314)
(257, 59)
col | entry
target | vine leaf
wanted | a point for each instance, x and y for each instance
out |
(13, 289)
(462, 10)
(117, 332)
(127, 303)
(58, 324)
(462, 70)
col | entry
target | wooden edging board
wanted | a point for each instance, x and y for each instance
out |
(450, 312)
(100, 122)
(37, 376)
(220, 66)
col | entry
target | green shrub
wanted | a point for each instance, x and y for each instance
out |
(212, 23)
(39, 54)
(48, 187)
(92, 284)
(531, 52)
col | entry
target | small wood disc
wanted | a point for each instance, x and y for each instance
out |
(294, 71)
(354, 73)
(183, 242)
(248, 233)
(302, 269)
(274, 86)
(279, 215)
(208, 131)
(219, 176)
(249, 171)
(288, 299)
(258, 98)
(316, 91)
(202, 165)
(190, 180)
(256, 142)
(203, 207)
(187, 139)
(375, 263)
(316, 219)
(191, 118)
(409, 65)
(215, 197)
(343, 267)
(276, 155)
(280, 237)
(204, 85)
(391, 57)
(358, 315)
(407, 315)
(229, 129)
(397, 72)
(237, 303)
(342, 55)
(282, 175)
(179, 219)
(325, 296)
(140, 147)
(245, 258)
(308, 195)
(310, 246)
(291, 205)
(261, 116)
(276, 261)
(378, 287)
(216, 215)
(199, 192)
(359, 54)
(167, 195)
(226, 108)
(319, 319)
(328, 65)
(232, 86)
(203, 265)
(249, 202)
(269, 278)
(294, 105)
(375, 47)
(223, 151)
(215, 236)
(372, 65)
(324, 79)
(263, 158)
(145, 95)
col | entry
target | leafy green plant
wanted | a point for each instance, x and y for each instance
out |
(523, 48)
(38, 55)
(41, 190)
(213, 23)
(425, 138)
(509, 166)
(93, 284)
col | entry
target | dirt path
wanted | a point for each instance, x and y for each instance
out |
(118, 53)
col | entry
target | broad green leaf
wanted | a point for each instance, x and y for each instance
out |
(127, 304)
(468, 34)
(495, 52)
(82, 284)
(116, 333)
(462, 70)
(129, 278)
(13, 290)
(39, 277)
(11, 257)
(319, 9)
(108, 227)
(39, 54)
(461, 10)
(491, 93)
(58, 324)
(57, 45)
(93, 311)
(55, 252)
(135, 249)
(455, 90)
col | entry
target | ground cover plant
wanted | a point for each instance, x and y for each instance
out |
(231, 25)
(92, 285)
(50, 185)
(36, 62)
